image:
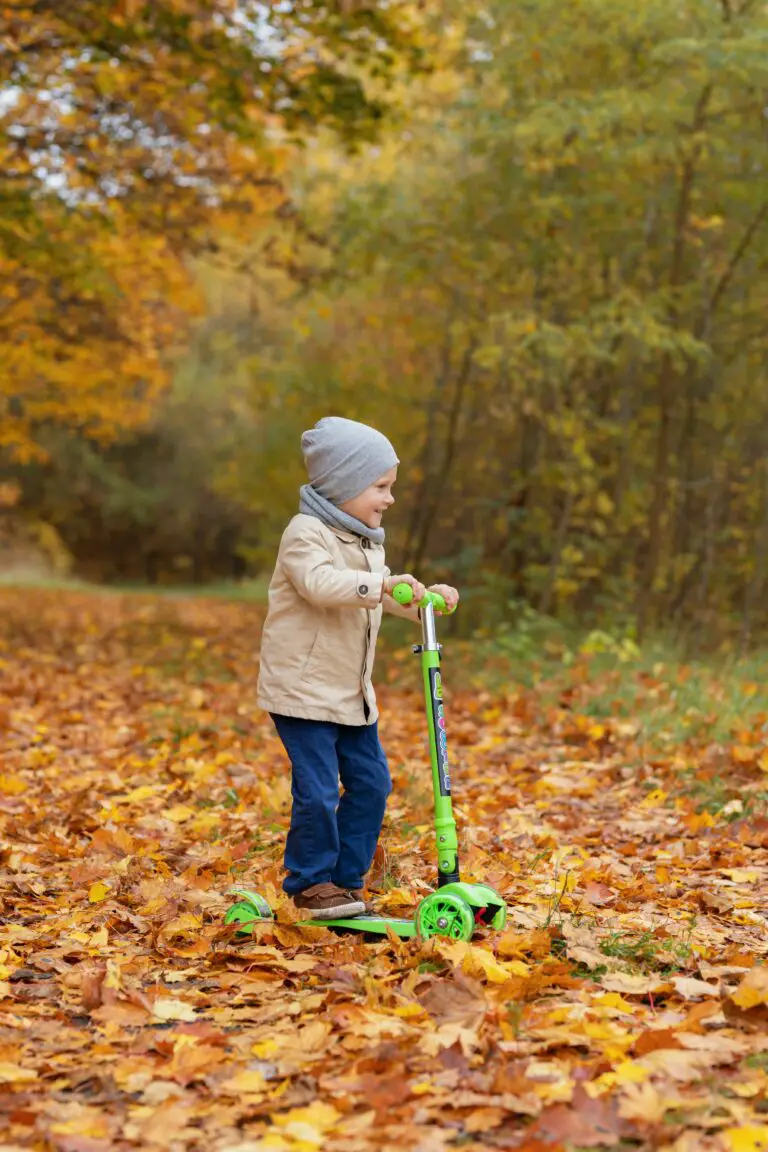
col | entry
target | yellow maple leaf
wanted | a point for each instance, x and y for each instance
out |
(247, 1082)
(204, 822)
(179, 813)
(614, 1000)
(476, 961)
(654, 799)
(12, 785)
(98, 891)
(626, 1072)
(308, 1125)
(187, 922)
(409, 1011)
(753, 988)
(746, 1138)
(144, 792)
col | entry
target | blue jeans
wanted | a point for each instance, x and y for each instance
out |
(333, 839)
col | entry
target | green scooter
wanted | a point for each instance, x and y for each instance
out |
(455, 908)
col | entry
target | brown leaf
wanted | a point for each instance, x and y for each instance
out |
(717, 901)
(598, 894)
(459, 1001)
(653, 1039)
(91, 981)
(484, 1119)
(585, 1121)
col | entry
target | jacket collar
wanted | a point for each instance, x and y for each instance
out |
(342, 533)
(351, 537)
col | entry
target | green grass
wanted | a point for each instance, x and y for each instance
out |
(669, 700)
(645, 950)
(655, 703)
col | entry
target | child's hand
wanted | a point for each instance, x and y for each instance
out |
(418, 588)
(450, 595)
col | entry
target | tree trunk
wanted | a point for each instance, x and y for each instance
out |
(666, 397)
(436, 492)
(754, 589)
(561, 535)
(436, 402)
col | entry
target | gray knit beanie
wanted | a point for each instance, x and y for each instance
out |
(343, 458)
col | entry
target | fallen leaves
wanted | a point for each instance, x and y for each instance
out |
(626, 1000)
(753, 989)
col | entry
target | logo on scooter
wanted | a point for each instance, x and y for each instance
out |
(441, 737)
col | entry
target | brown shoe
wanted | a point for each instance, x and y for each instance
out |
(359, 894)
(327, 902)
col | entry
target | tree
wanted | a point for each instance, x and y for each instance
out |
(552, 287)
(125, 128)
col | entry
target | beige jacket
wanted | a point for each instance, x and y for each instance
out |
(319, 638)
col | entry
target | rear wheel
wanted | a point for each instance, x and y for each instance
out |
(251, 907)
(496, 907)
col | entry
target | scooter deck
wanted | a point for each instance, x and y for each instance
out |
(367, 923)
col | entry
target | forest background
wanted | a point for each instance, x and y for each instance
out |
(528, 241)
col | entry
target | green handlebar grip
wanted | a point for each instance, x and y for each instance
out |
(403, 593)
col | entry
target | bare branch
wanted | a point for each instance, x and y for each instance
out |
(728, 273)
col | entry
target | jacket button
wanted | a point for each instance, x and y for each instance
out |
(363, 590)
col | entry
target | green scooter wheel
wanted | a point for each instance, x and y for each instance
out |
(243, 913)
(250, 908)
(444, 914)
(495, 899)
(500, 919)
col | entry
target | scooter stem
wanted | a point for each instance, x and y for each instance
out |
(445, 826)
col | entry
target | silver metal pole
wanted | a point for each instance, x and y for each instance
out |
(428, 628)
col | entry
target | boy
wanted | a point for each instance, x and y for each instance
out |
(326, 598)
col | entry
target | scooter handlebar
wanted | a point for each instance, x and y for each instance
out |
(403, 593)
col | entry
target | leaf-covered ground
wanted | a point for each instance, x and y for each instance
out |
(625, 1005)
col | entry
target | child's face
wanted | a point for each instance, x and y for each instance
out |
(370, 505)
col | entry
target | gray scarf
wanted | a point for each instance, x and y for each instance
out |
(311, 503)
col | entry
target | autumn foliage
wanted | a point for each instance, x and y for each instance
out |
(127, 131)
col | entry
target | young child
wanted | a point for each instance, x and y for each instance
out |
(326, 598)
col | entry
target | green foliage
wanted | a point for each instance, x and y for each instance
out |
(549, 292)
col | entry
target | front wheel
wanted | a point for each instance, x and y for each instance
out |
(444, 914)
